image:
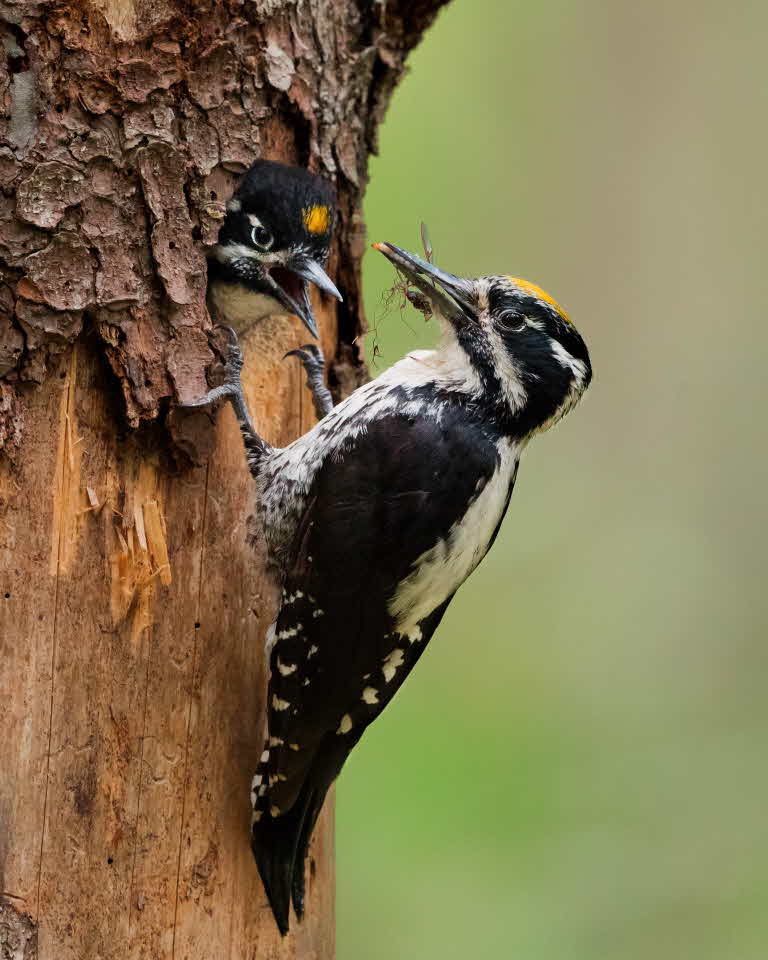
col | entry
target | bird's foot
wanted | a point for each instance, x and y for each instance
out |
(233, 365)
(312, 360)
(232, 390)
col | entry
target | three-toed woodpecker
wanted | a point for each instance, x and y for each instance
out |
(274, 242)
(377, 516)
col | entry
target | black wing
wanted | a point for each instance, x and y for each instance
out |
(337, 659)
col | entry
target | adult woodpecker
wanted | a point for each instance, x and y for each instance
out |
(274, 242)
(377, 516)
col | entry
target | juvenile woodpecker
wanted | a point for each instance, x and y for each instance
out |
(274, 242)
(377, 516)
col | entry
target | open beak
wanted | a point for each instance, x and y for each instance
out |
(290, 286)
(452, 297)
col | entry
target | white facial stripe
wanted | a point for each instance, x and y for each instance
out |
(228, 252)
(576, 367)
(481, 290)
(254, 220)
(234, 205)
(506, 369)
(579, 370)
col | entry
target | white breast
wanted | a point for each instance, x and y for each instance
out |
(442, 569)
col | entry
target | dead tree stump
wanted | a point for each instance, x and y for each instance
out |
(132, 612)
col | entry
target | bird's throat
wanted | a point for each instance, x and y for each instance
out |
(239, 306)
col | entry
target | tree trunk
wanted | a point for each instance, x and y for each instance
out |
(132, 611)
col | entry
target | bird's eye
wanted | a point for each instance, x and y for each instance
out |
(513, 321)
(261, 237)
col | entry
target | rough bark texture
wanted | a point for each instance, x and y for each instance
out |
(131, 609)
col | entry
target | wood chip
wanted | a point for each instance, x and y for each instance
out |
(123, 543)
(156, 537)
(138, 518)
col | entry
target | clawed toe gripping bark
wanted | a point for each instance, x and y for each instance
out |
(232, 390)
(313, 361)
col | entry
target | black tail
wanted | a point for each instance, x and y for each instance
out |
(314, 807)
(280, 846)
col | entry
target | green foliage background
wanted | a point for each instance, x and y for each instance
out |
(577, 769)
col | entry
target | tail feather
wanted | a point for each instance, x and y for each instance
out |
(275, 842)
(298, 886)
(327, 766)
(280, 844)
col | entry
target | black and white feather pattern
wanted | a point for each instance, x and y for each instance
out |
(374, 538)
(376, 517)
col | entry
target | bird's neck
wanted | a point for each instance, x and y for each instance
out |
(446, 368)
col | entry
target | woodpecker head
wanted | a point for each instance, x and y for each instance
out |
(276, 238)
(528, 357)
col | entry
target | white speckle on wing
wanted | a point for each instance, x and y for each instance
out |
(290, 632)
(294, 746)
(256, 782)
(276, 742)
(264, 757)
(292, 598)
(256, 816)
(346, 724)
(318, 612)
(312, 650)
(274, 811)
(279, 704)
(285, 668)
(391, 662)
(370, 695)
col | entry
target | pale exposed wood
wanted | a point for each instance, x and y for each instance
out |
(132, 610)
(128, 837)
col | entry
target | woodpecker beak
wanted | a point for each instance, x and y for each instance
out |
(290, 286)
(452, 297)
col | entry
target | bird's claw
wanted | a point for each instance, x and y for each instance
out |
(313, 361)
(310, 353)
(233, 365)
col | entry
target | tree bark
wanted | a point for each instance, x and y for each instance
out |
(132, 611)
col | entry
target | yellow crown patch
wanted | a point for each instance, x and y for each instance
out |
(316, 219)
(528, 287)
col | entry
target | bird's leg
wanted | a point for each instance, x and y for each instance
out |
(312, 359)
(232, 390)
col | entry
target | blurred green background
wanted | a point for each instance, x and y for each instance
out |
(577, 769)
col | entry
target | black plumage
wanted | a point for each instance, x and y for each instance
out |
(371, 513)
(376, 517)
